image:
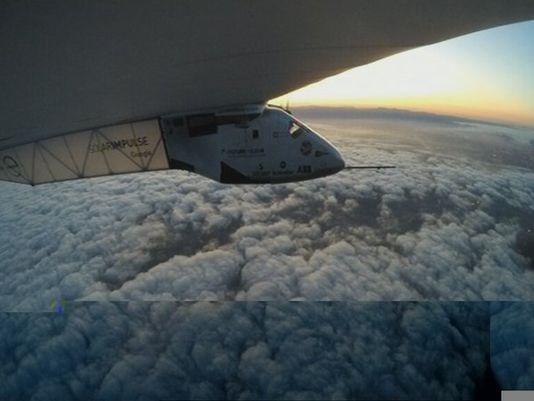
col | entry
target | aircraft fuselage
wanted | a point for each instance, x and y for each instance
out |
(254, 144)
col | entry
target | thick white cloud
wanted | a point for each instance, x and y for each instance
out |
(240, 350)
(444, 225)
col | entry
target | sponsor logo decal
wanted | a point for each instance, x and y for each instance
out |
(119, 144)
(306, 148)
(11, 166)
(242, 152)
(319, 153)
(306, 169)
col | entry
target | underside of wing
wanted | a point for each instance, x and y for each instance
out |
(71, 66)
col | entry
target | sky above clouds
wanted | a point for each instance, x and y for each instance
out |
(486, 74)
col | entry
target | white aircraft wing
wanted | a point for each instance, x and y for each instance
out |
(117, 149)
(72, 66)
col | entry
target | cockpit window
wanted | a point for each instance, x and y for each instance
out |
(296, 129)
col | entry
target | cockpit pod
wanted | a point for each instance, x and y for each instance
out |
(248, 144)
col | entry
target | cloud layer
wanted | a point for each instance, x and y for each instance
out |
(237, 350)
(512, 344)
(444, 225)
(453, 222)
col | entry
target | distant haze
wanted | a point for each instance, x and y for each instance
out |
(384, 113)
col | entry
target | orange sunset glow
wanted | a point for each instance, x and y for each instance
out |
(485, 75)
